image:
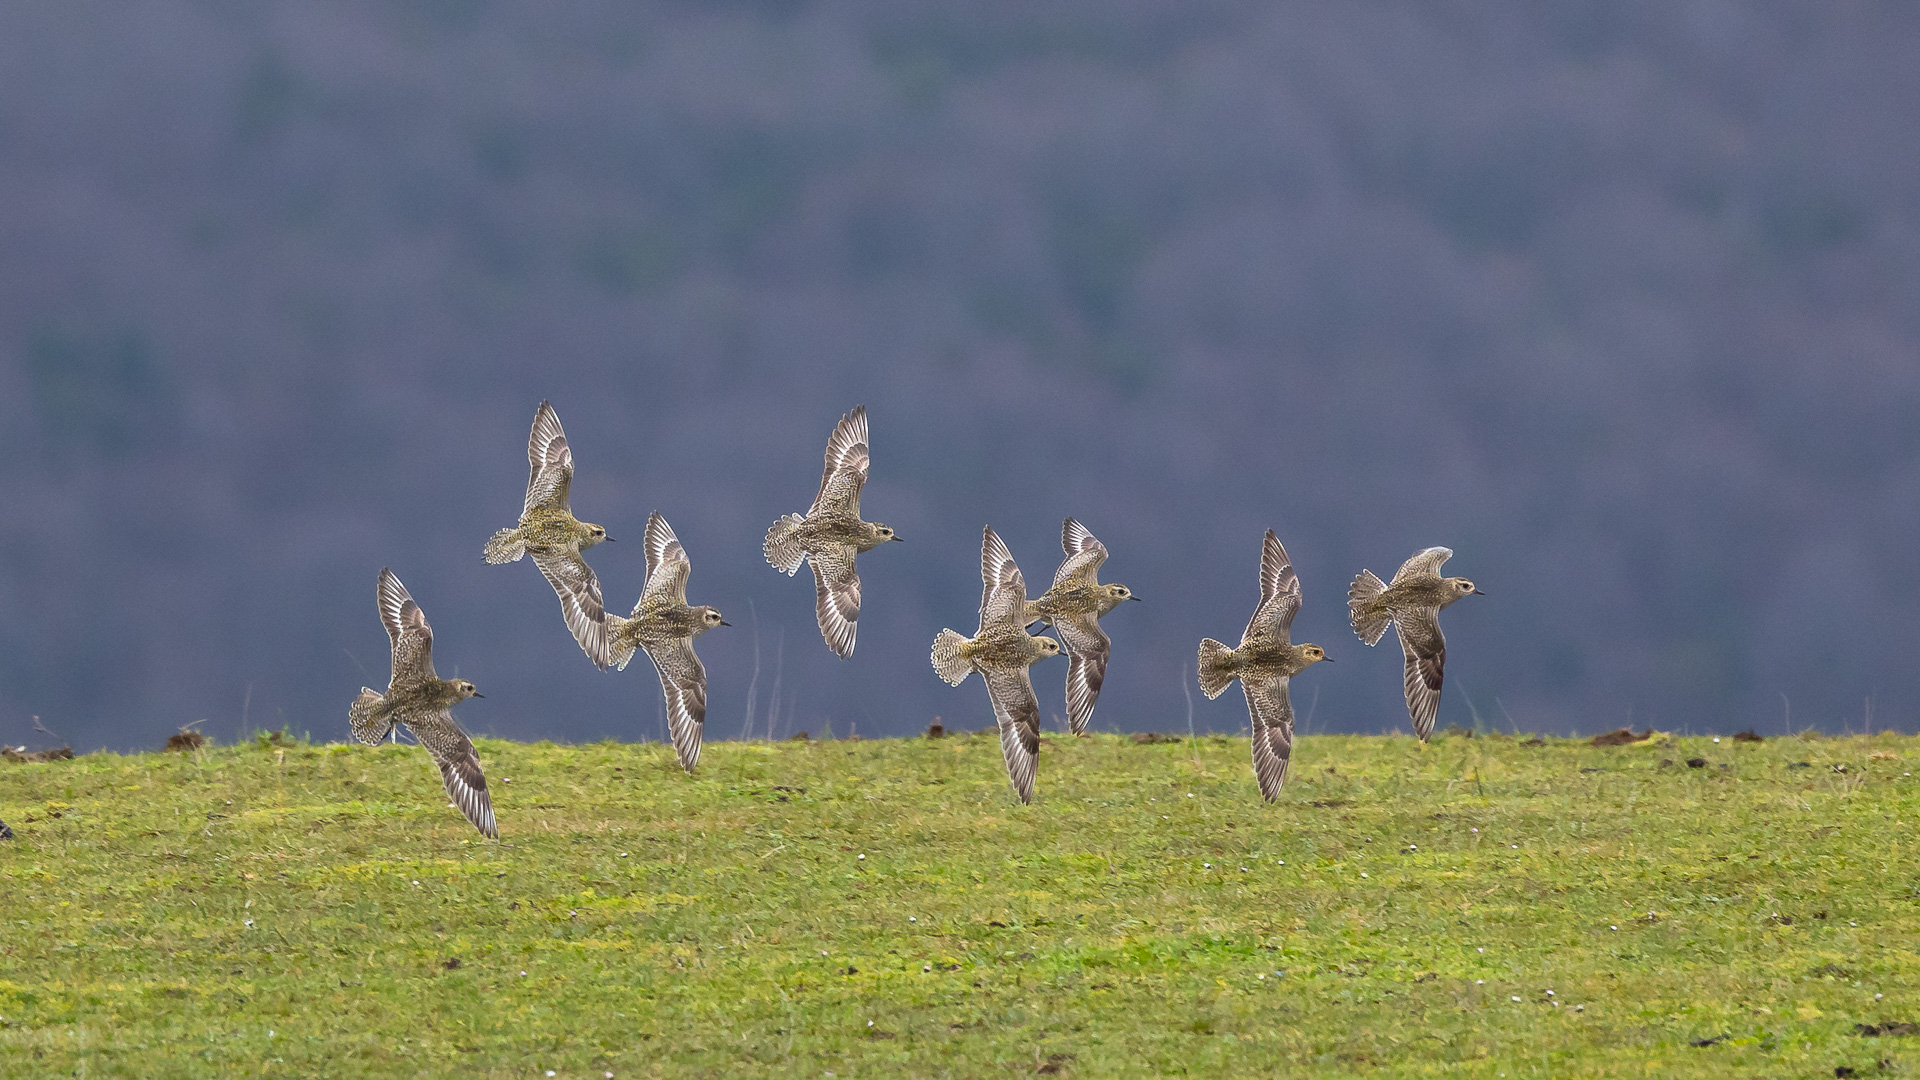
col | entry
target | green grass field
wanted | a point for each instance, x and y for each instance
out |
(1480, 907)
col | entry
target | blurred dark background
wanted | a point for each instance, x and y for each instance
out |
(1620, 300)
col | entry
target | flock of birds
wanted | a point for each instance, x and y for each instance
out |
(829, 537)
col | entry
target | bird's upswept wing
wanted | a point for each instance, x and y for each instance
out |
(1424, 563)
(549, 462)
(408, 632)
(1279, 592)
(846, 467)
(1084, 556)
(667, 566)
(1003, 591)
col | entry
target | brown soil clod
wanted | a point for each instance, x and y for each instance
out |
(1748, 736)
(186, 739)
(1621, 737)
(20, 755)
(936, 730)
(1888, 1027)
(1146, 737)
(1696, 763)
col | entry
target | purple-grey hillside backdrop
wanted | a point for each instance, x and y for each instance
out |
(1621, 300)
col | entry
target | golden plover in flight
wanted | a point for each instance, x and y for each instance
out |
(1001, 651)
(423, 701)
(664, 625)
(549, 532)
(1412, 604)
(1264, 662)
(1074, 607)
(831, 533)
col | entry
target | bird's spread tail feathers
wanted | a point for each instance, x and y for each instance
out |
(783, 551)
(947, 660)
(363, 716)
(1368, 622)
(619, 646)
(505, 547)
(1217, 667)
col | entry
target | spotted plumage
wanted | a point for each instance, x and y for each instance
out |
(423, 701)
(664, 626)
(830, 534)
(1412, 603)
(1265, 662)
(1002, 651)
(550, 533)
(1073, 607)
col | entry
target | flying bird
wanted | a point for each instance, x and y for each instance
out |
(423, 701)
(550, 533)
(831, 533)
(1264, 663)
(1412, 603)
(1074, 607)
(1002, 651)
(664, 625)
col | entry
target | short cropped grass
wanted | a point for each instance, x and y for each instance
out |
(1478, 907)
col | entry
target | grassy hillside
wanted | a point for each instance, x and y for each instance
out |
(1482, 906)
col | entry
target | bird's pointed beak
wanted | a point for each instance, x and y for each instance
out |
(1477, 592)
(897, 538)
(724, 622)
(477, 693)
(1327, 659)
(1133, 598)
(608, 539)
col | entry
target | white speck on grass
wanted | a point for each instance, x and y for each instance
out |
(926, 967)
(1516, 997)
(1483, 948)
(1579, 1008)
(869, 1023)
(1479, 982)
(913, 918)
(1876, 997)
(862, 857)
(549, 1072)
(1516, 847)
(523, 974)
(1716, 738)
(1551, 994)
(1189, 794)
(1207, 865)
(623, 854)
(248, 924)
(1613, 927)
(1476, 830)
(1363, 873)
(1243, 869)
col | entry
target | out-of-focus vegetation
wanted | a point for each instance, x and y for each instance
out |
(1616, 299)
